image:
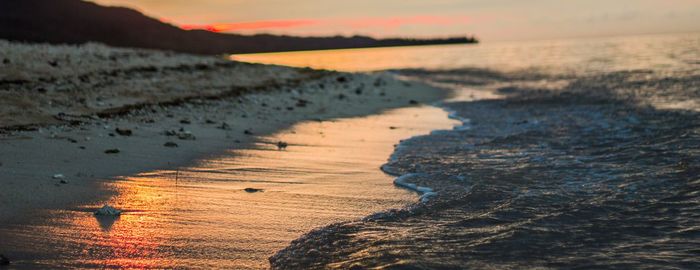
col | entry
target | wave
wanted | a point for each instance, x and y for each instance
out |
(598, 172)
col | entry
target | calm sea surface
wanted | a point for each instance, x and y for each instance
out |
(674, 51)
(573, 154)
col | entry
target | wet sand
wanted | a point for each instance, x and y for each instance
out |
(72, 137)
(235, 210)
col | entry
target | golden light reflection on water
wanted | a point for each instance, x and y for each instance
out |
(555, 56)
(206, 219)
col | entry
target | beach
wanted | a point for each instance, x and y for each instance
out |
(75, 117)
(544, 154)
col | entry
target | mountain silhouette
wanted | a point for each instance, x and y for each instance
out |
(76, 21)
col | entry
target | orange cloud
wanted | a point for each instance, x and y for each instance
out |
(259, 25)
(355, 23)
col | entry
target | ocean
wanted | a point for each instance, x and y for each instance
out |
(572, 154)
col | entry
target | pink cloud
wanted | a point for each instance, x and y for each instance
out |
(241, 26)
(352, 23)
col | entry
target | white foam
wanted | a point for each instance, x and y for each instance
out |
(426, 192)
(452, 114)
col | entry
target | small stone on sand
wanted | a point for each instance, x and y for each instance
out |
(224, 126)
(112, 151)
(58, 176)
(123, 131)
(253, 190)
(281, 145)
(186, 135)
(108, 211)
(170, 144)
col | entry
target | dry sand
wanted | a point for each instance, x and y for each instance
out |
(60, 107)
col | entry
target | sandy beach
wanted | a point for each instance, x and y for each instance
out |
(74, 116)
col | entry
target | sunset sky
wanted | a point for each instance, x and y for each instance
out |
(488, 19)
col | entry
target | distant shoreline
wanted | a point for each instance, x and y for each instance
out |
(21, 21)
(358, 48)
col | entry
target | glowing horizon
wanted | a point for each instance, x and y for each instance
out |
(488, 20)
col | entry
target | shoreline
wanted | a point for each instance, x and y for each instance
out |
(31, 159)
(502, 191)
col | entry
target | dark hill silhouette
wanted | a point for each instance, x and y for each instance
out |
(76, 21)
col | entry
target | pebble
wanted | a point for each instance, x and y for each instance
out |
(123, 132)
(108, 211)
(112, 151)
(58, 176)
(170, 144)
(224, 126)
(186, 135)
(253, 190)
(281, 145)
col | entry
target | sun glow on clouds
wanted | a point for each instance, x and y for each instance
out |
(354, 23)
(259, 25)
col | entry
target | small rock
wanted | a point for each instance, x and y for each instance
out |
(170, 144)
(63, 181)
(253, 190)
(5, 61)
(108, 211)
(302, 103)
(112, 151)
(53, 63)
(224, 126)
(58, 176)
(341, 79)
(4, 260)
(123, 131)
(186, 135)
(170, 133)
(392, 127)
(247, 132)
(208, 121)
(358, 91)
(281, 145)
(341, 96)
(290, 108)
(412, 102)
(185, 121)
